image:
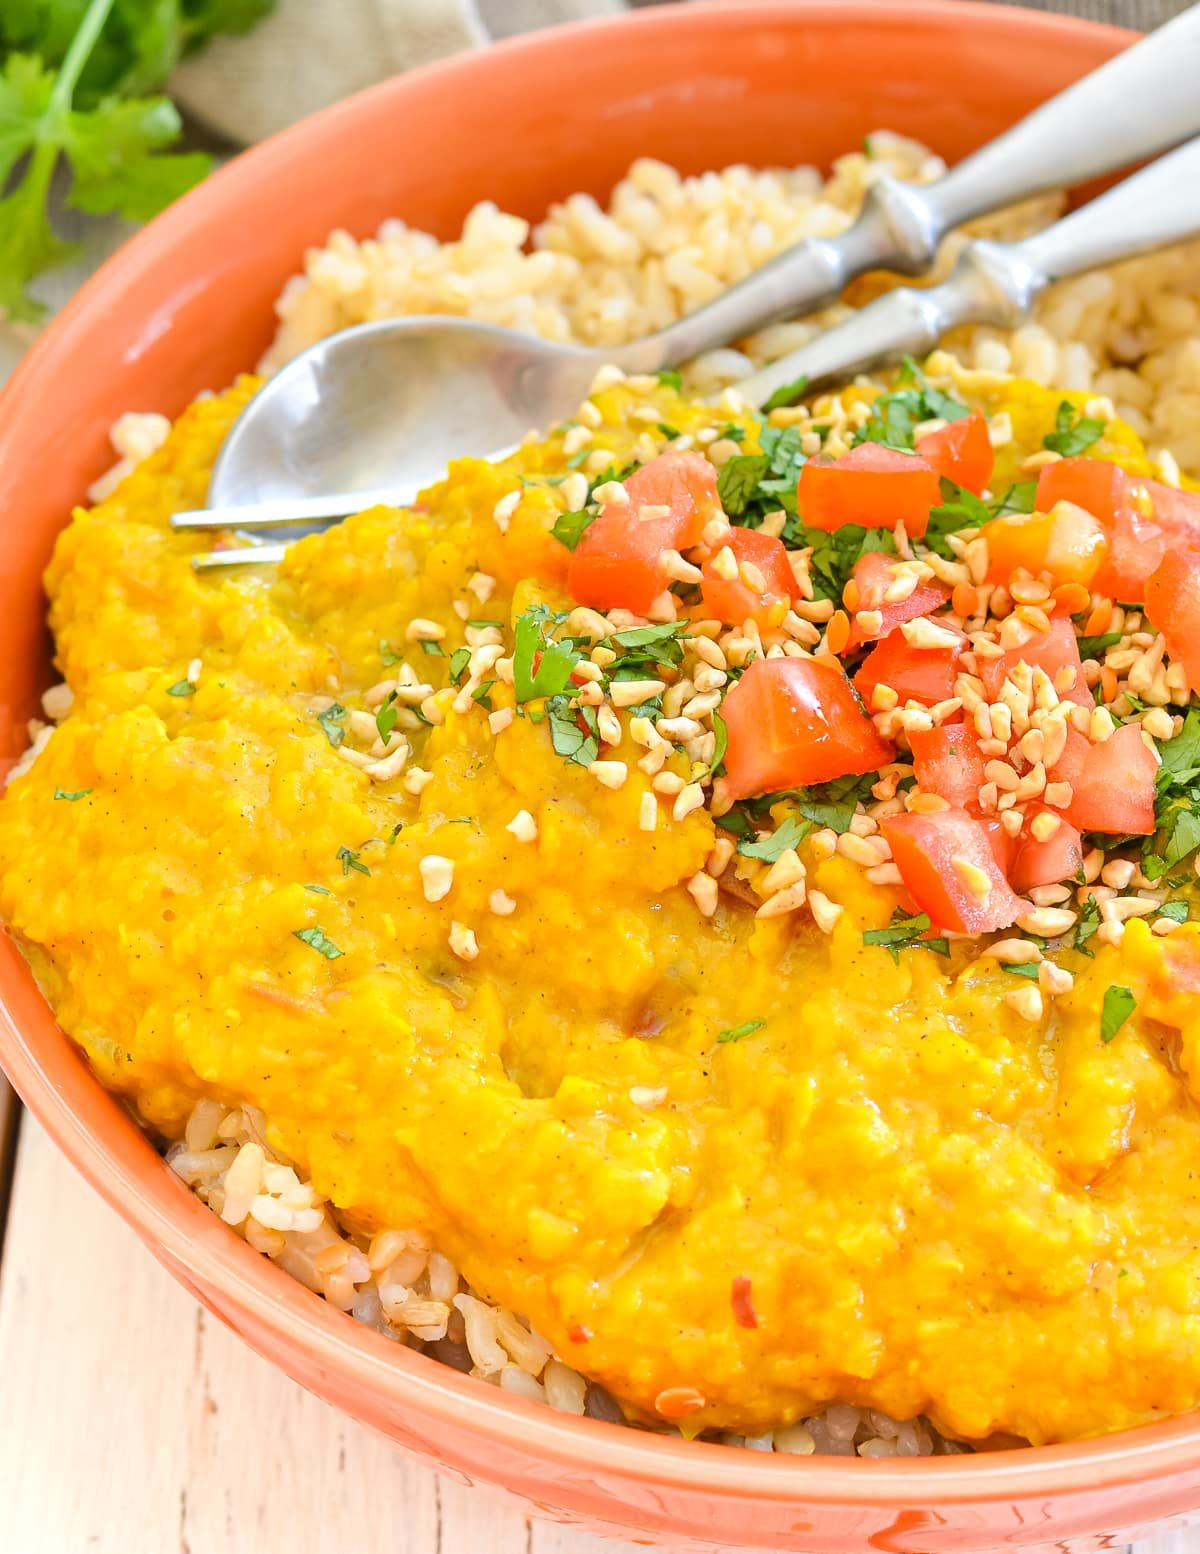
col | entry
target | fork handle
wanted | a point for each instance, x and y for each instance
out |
(997, 283)
(1137, 104)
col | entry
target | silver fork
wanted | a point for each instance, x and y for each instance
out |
(374, 413)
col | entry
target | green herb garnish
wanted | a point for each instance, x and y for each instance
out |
(1019, 498)
(669, 377)
(906, 933)
(772, 846)
(959, 509)
(1073, 432)
(1176, 911)
(1094, 647)
(331, 721)
(1025, 968)
(72, 797)
(1119, 1004)
(434, 649)
(316, 939)
(736, 1032)
(568, 528)
(786, 394)
(555, 660)
(385, 717)
(181, 688)
(459, 660)
(573, 742)
(349, 859)
(387, 656)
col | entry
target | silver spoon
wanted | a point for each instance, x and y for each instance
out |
(376, 412)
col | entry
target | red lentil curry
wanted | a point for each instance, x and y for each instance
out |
(725, 879)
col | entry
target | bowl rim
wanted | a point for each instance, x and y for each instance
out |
(195, 1242)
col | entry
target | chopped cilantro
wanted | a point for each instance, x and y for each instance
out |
(1177, 807)
(1085, 928)
(1176, 911)
(737, 484)
(959, 509)
(670, 377)
(479, 625)
(459, 660)
(568, 528)
(1093, 647)
(385, 718)
(772, 846)
(1026, 968)
(1119, 1004)
(570, 740)
(316, 939)
(733, 432)
(835, 555)
(895, 417)
(736, 1032)
(349, 859)
(181, 688)
(72, 797)
(720, 744)
(483, 695)
(1019, 498)
(577, 459)
(434, 649)
(786, 394)
(1073, 433)
(668, 430)
(555, 660)
(387, 654)
(906, 933)
(319, 890)
(331, 721)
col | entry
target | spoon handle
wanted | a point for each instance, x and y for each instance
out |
(1134, 106)
(997, 283)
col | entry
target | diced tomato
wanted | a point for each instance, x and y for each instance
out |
(1136, 545)
(961, 451)
(1004, 846)
(1173, 605)
(1067, 542)
(1112, 784)
(734, 600)
(1049, 650)
(926, 675)
(872, 578)
(795, 721)
(871, 485)
(1035, 863)
(615, 565)
(948, 762)
(1178, 512)
(1097, 485)
(937, 855)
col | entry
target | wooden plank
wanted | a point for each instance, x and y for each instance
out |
(136, 1424)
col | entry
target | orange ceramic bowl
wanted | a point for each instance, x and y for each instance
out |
(187, 304)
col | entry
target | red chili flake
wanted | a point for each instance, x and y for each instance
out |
(677, 1402)
(744, 1313)
(578, 1334)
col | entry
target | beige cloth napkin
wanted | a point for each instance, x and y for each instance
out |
(309, 53)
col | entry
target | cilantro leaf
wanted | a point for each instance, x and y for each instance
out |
(459, 660)
(772, 847)
(1119, 1004)
(669, 377)
(737, 484)
(387, 655)
(1026, 968)
(736, 1032)
(331, 721)
(720, 744)
(1073, 432)
(568, 528)
(835, 555)
(385, 718)
(349, 858)
(181, 688)
(906, 933)
(1019, 498)
(1086, 927)
(895, 417)
(959, 509)
(555, 660)
(316, 939)
(786, 393)
(1093, 647)
(72, 797)
(573, 742)
(1176, 911)
(74, 87)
